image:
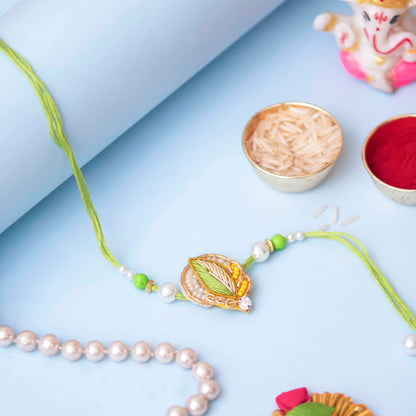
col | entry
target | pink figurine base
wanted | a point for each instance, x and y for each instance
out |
(377, 42)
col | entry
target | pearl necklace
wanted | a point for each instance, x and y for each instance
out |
(118, 351)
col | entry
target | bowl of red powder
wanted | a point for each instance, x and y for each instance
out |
(389, 155)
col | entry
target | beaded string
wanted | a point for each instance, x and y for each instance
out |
(260, 251)
(118, 351)
(358, 250)
(57, 133)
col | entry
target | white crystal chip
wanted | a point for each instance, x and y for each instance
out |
(245, 303)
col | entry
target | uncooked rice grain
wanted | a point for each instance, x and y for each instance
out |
(295, 141)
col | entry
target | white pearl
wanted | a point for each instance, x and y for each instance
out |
(197, 405)
(71, 350)
(141, 352)
(167, 292)
(118, 351)
(300, 236)
(209, 389)
(95, 351)
(260, 252)
(165, 353)
(130, 274)
(49, 344)
(186, 358)
(6, 336)
(202, 371)
(27, 341)
(123, 269)
(291, 238)
(176, 411)
(409, 345)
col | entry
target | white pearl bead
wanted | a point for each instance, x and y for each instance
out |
(49, 344)
(167, 292)
(71, 350)
(141, 352)
(291, 238)
(27, 341)
(300, 236)
(123, 269)
(95, 351)
(165, 353)
(118, 351)
(186, 358)
(260, 252)
(6, 336)
(209, 389)
(176, 411)
(197, 405)
(202, 371)
(130, 274)
(409, 345)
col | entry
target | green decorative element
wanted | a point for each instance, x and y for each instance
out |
(248, 262)
(210, 281)
(180, 296)
(361, 252)
(56, 132)
(311, 409)
(279, 242)
(140, 281)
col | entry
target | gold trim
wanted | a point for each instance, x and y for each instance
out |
(379, 60)
(269, 244)
(331, 24)
(389, 4)
(353, 47)
(149, 286)
(344, 405)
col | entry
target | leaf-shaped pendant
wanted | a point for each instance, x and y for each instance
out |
(215, 280)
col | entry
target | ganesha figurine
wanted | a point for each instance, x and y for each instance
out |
(377, 42)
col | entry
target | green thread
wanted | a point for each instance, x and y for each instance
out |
(248, 262)
(361, 252)
(56, 131)
(211, 282)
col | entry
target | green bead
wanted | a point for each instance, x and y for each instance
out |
(279, 242)
(140, 281)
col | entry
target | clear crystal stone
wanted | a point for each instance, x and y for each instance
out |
(245, 303)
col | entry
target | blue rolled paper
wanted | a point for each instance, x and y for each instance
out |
(107, 63)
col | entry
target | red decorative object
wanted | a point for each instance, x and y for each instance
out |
(289, 400)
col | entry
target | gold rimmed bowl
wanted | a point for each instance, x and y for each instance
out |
(390, 128)
(287, 183)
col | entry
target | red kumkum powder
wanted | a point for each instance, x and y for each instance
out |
(391, 153)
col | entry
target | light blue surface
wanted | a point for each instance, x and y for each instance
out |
(177, 185)
(107, 63)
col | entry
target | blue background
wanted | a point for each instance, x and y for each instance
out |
(177, 185)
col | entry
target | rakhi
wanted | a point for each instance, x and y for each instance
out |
(299, 402)
(211, 279)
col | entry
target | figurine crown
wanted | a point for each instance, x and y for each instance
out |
(390, 4)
